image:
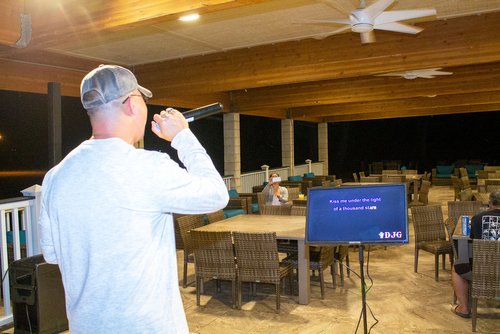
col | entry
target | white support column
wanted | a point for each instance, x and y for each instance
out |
(232, 149)
(287, 145)
(265, 168)
(323, 145)
(309, 165)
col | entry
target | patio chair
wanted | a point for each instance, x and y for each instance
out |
(186, 224)
(464, 181)
(298, 210)
(284, 246)
(391, 171)
(326, 183)
(456, 187)
(320, 258)
(236, 206)
(178, 239)
(485, 273)
(282, 210)
(460, 208)
(466, 195)
(341, 255)
(215, 216)
(290, 246)
(355, 177)
(369, 179)
(268, 209)
(214, 259)
(492, 185)
(258, 262)
(429, 234)
(293, 193)
(423, 192)
(393, 178)
(462, 172)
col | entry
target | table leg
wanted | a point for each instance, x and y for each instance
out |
(303, 272)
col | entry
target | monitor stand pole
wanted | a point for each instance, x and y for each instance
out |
(363, 287)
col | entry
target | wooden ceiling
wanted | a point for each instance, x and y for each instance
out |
(257, 57)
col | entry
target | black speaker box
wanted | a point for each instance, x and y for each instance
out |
(37, 296)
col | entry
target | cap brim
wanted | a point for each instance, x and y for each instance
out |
(144, 91)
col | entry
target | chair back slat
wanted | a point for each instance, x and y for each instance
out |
(486, 269)
(214, 254)
(355, 177)
(460, 208)
(293, 193)
(423, 193)
(428, 223)
(394, 178)
(276, 210)
(257, 257)
(186, 224)
(369, 179)
(215, 216)
(298, 210)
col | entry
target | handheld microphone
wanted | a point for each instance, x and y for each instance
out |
(202, 112)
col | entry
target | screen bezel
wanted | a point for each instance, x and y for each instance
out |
(400, 187)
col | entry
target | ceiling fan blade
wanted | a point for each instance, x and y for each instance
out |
(401, 15)
(339, 30)
(392, 74)
(344, 7)
(339, 21)
(428, 73)
(439, 73)
(329, 33)
(430, 69)
(399, 27)
(334, 21)
(376, 8)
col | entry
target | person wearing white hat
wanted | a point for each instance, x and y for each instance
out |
(107, 209)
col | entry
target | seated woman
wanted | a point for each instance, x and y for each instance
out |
(274, 194)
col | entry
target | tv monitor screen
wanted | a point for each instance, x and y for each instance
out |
(365, 214)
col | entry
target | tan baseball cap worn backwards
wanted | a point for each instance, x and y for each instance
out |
(107, 83)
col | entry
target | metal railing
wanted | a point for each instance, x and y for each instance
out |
(250, 179)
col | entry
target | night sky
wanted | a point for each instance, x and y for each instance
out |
(419, 142)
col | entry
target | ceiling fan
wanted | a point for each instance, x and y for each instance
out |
(427, 73)
(364, 20)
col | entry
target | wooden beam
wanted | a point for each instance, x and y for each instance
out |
(29, 77)
(268, 113)
(25, 76)
(402, 106)
(466, 79)
(193, 101)
(455, 42)
(415, 113)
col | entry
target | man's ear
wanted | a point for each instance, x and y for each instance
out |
(131, 107)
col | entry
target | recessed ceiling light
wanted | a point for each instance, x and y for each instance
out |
(189, 17)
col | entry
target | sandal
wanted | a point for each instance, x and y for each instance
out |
(462, 315)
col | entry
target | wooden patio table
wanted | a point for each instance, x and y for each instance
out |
(286, 227)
